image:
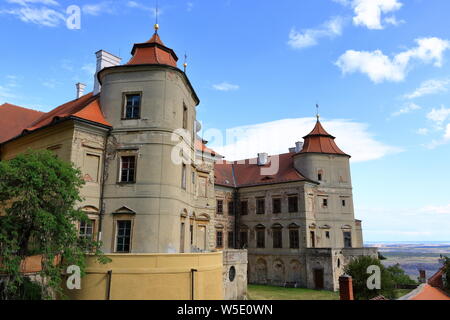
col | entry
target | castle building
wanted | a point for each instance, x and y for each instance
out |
(153, 187)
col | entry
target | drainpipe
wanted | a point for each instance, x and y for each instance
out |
(108, 295)
(236, 213)
(193, 271)
(102, 187)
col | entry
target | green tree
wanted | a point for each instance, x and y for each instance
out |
(399, 276)
(38, 196)
(357, 269)
(446, 276)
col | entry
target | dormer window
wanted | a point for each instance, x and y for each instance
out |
(132, 108)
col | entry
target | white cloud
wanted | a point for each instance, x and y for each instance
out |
(278, 136)
(437, 209)
(138, 5)
(406, 109)
(368, 13)
(379, 67)
(225, 86)
(41, 16)
(309, 37)
(423, 131)
(447, 132)
(26, 2)
(90, 68)
(99, 8)
(429, 87)
(439, 116)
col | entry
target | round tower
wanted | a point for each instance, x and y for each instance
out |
(147, 101)
(330, 221)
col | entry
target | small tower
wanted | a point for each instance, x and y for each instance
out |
(147, 100)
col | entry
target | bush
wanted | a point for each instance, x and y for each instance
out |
(357, 269)
(399, 276)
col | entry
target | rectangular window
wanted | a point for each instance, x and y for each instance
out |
(260, 206)
(219, 239)
(231, 239)
(183, 176)
(294, 239)
(347, 239)
(325, 203)
(312, 235)
(261, 238)
(277, 238)
(243, 239)
(276, 205)
(128, 169)
(244, 208)
(191, 231)
(319, 177)
(344, 203)
(327, 234)
(92, 168)
(123, 241)
(293, 204)
(231, 208)
(185, 117)
(132, 106)
(87, 229)
(219, 206)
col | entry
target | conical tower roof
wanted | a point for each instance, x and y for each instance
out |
(320, 141)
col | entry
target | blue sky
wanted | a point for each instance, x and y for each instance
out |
(378, 68)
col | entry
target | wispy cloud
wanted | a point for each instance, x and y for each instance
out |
(310, 37)
(410, 107)
(445, 209)
(99, 8)
(225, 86)
(139, 5)
(429, 87)
(439, 116)
(44, 14)
(278, 136)
(368, 13)
(379, 67)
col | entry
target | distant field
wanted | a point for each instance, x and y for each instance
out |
(413, 257)
(259, 292)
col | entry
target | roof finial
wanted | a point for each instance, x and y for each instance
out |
(185, 62)
(317, 113)
(156, 17)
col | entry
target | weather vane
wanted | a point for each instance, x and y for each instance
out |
(156, 17)
(185, 62)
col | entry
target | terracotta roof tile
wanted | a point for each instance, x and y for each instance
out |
(248, 173)
(320, 141)
(153, 52)
(200, 146)
(13, 119)
(86, 108)
(430, 293)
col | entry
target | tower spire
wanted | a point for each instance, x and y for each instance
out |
(317, 113)
(185, 62)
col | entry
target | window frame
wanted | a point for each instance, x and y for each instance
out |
(246, 208)
(258, 202)
(219, 207)
(125, 102)
(93, 226)
(219, 245)
(294, 242)
(296, 203)
(121, 156)
(273, 205)
(116, 237)
(259, 245)
(277, 242)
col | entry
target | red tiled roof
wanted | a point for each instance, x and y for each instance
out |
(430, 293)
(86, 108)
(13, 119)
(200, 146)
(248, 173)
(153, 52)
(320, 141)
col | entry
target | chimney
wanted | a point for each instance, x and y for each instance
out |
(262, 159)
(80, 89)
(104, 60)
(422, 276)
(298, 146)
(292, 150)
(346, 287)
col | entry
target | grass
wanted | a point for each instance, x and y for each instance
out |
(260, 292)
(402, 292)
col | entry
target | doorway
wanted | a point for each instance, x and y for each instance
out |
(318, 279)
